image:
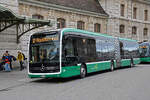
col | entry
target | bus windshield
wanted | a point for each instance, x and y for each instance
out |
(144, 51)
(44, 48)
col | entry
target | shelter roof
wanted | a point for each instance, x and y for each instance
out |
(8, 15)
(23, 25)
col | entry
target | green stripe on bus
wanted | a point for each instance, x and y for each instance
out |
(70, 71)
(98, 66)
(115, 64)
(136, 61)
(66, 72)
(125, 62)
(145, 59)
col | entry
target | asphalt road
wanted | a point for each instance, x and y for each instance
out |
(122, 84)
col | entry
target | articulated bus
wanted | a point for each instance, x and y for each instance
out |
(72, 52)
(145, 52)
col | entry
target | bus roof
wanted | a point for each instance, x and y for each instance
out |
(92, 33)
(85, 32)
(127, 39)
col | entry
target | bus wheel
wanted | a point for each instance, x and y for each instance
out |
(112, 66)
(83, 71)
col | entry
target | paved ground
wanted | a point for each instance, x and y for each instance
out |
(122, 84)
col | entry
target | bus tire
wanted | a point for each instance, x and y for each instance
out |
(83, 71)
(112, 66)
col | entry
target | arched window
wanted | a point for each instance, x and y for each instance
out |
(80, 25)
(145, 15)
(134, 12)
(145, 31)
(122, 10)
(134, 30)
(97, 27)
(37, 16)
(122, 29)
(61, 23)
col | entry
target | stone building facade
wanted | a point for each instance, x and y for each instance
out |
(52, 11)
(11, 4)
(128, 18)
(8, 36)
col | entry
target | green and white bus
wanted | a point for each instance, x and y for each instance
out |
(71, 52)
(145, 52)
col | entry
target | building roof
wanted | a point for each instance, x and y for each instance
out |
(85, 5)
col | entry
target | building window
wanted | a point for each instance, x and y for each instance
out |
(134, 12)
(122, 29)
(37, 16)
(134, 30)
(61, 23)
(145, 15)
(80, 25)
(97, 27)
(122, 9)
(145, 32)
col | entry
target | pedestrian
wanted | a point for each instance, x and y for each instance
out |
(1, 68)
(24, 60)
(7, 62)
(9, 58)
(20, 58)
(1, 64)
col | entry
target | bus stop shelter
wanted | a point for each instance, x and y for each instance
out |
(23, 25)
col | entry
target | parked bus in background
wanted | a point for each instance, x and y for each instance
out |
(70, 52)
(145, 52)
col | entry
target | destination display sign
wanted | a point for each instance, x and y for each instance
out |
(45, 39)
(143, 47)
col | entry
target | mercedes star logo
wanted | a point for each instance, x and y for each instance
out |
(42, 67)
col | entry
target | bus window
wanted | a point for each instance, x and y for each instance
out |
(35, 54)
(99, 50)
(80, 47)
(93, 46)
(91, 49)
(85, 49)
(121, 49)
(43, 53)
(68, 48)
(110, 50)
(126, 50)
